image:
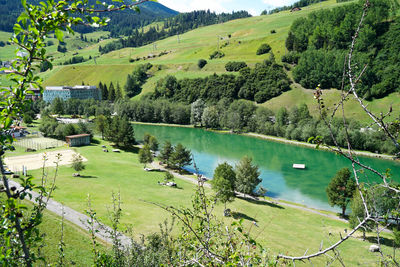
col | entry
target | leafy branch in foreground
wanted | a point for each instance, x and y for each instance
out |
(33, 26)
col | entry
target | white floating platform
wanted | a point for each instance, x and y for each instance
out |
(299, 166)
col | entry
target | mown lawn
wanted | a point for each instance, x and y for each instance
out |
(282, 229)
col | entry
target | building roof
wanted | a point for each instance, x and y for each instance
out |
(76, 87)
(18, 127)
(77, 136)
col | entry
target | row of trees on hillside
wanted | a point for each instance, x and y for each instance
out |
(172, 26)
(301, 3)
(132, 87)
(261, 83)
(318, 45)
(244, 116)
(72, 106)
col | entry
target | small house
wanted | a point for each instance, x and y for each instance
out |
(18, 131)
(295, 9)
(78, 140)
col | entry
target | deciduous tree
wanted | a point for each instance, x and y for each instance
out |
(341, 189)
(145, 155)
(77, 163)
(223, 183)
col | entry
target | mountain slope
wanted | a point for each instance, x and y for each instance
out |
(121, 22)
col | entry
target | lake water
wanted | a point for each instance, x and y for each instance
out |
(274, 159)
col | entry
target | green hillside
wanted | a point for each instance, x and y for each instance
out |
(246, 36)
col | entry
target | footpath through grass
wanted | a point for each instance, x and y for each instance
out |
(282, 229)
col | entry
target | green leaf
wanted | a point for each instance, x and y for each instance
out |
(59, 34)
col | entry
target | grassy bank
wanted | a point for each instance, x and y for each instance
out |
(282, 229)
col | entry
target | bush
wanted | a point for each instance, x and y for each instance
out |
(273, 31)
(201, 63)
(291, 57)
(261, 97)
(235, 65)
(217, 54)
(263, 49)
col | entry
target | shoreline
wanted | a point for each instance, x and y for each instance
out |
(275, 139)
(271, 200)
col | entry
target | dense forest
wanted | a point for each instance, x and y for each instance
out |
(261, 83)
(301, 3)
(318, 45)
(179, 24)
(121, 23)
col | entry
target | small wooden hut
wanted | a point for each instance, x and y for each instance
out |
(78, 140)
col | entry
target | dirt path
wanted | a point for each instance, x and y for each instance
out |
(77, 218)
(156, 165)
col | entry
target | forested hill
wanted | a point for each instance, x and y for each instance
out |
(319, 42)
(121, 22)
(179, 24)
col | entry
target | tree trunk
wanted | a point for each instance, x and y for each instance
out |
(343, 211)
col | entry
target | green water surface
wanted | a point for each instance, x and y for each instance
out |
(274, 159)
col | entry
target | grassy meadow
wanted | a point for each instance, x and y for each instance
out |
(299, 95)
(281, 229)
(246, 36)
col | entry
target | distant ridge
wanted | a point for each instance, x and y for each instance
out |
(122, 23)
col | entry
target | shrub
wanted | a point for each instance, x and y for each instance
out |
(217, 54)
(263, 49)
(292, 57)
(235, 65)
(201, 63)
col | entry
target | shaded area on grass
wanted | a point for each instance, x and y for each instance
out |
(259, 202)
(383, 241)
(239, 215)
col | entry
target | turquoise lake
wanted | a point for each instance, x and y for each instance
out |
(274, 159)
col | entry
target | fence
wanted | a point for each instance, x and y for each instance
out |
(39, 143)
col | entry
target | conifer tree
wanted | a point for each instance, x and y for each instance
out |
(118, 92)
(111, 92)
(166, 152)
(247, 176)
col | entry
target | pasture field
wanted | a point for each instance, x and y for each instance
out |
(299, 95)
(246, 36)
